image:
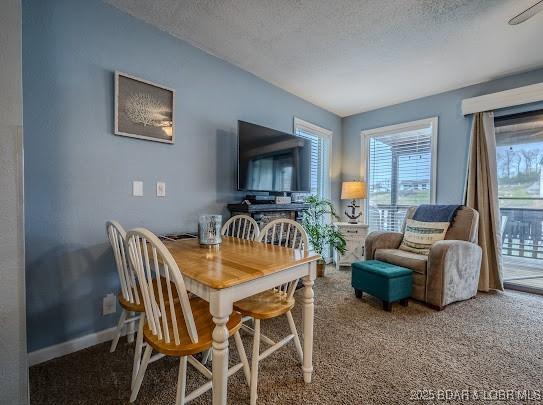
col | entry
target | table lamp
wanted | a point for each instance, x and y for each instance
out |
(353, 190)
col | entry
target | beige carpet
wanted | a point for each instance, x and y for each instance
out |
(362, 355)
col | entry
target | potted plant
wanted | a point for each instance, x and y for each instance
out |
(319, 231)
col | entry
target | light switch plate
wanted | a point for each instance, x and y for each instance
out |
(137, 188)
(160, 189)
(109, 304)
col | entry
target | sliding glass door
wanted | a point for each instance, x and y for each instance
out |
(519, 141)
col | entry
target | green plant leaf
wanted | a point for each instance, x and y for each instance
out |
(319, 231)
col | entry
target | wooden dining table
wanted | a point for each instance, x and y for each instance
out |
(237, 269)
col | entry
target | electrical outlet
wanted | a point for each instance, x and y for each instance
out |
(160, 189)
(109, 304)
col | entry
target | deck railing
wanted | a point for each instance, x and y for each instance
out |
(522, 232)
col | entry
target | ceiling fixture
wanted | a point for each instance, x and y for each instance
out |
(527, 14)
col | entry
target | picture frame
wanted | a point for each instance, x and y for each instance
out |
(143, 109)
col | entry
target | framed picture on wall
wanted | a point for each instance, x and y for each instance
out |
(143, 109)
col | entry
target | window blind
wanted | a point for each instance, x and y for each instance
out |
(399, 174)
(317, 153)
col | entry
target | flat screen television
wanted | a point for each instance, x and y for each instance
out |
(270, 160)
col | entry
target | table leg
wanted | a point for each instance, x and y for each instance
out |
(308, 310)
(220, 313)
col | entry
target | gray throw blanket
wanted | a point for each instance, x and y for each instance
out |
(435, 213)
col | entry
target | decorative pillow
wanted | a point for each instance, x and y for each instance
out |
(420, 236)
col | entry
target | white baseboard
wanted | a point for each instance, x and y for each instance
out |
(71, 346)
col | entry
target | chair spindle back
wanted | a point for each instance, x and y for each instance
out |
(241, 226)
(153, 262)
(286, 233)
(127, 277)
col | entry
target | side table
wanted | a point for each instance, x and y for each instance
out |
(355, 236)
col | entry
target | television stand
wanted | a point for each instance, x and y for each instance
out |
(264, 213)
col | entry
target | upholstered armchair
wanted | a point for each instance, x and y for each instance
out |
(449, 273)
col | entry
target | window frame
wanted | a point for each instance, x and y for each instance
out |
(367, 134)
(324, 186)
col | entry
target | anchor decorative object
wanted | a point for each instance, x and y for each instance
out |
(353, 216)
(353, 190)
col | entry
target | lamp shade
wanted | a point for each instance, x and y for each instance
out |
(353, 190)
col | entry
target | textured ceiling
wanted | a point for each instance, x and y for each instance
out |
(349, 56)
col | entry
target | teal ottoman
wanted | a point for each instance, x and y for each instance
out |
(385, 281)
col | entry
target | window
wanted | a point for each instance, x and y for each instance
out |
(320, 139)
(399, 164)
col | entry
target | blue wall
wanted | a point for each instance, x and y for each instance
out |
(78, 175)
(453, 130)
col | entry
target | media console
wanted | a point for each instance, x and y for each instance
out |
(264, 213)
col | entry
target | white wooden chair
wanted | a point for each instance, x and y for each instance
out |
(174, 324)
(276, 302)
(241, 226)
(130, 297)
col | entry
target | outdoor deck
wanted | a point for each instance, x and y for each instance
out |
(522, 249)
(523, 274)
